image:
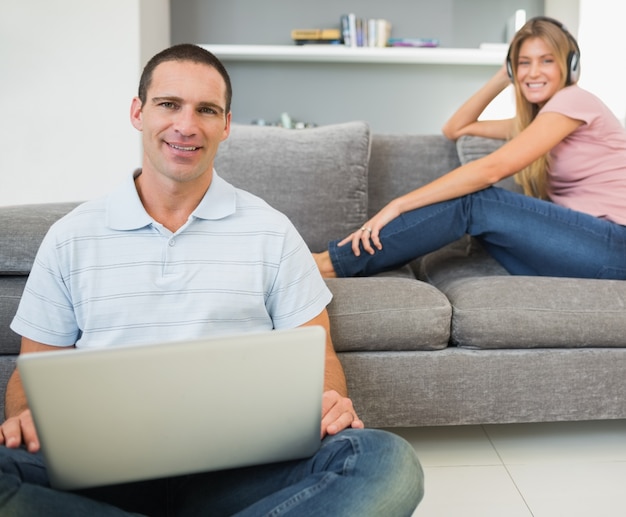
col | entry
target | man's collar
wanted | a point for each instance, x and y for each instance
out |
(218, 202)
(126, 212)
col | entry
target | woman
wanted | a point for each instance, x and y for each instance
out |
(564, 146)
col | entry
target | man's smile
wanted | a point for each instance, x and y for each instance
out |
(182, 147)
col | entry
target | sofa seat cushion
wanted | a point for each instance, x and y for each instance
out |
(21, 232)
(492, 309)
(387, 313)
(317, 177)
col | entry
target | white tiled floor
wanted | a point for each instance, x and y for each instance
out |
(565, 469)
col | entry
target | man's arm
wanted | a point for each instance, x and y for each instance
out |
(18, 427)
(338, 412)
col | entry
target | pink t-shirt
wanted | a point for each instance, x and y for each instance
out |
(588, 168)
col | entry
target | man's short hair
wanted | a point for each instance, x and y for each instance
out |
(184, 52)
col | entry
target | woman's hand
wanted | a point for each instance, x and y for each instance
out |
(368, 235)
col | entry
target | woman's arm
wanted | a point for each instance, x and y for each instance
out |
(465, 119)
(546, 131)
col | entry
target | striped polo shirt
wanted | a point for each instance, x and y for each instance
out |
(108, 274)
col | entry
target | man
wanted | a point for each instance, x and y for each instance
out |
(179, 253)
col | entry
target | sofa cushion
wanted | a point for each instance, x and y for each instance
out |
(401, 163)
(10, 294)
(528, 312)
(317, 177)
(21, 232)
(492, 309)
(464, 258)
(472, 148)
(387, 313)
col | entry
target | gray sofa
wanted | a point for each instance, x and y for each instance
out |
(449, 339)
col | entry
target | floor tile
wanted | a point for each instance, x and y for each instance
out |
(564, 469)
(470, 492)
(450, 446)
(559, 442)
(582, 490)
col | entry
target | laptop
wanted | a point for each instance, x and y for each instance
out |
(141, 412)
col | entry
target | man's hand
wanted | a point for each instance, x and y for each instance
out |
(19, 430)
(338, 413)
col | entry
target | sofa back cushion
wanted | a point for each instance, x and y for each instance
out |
(472, 148)
(401, 163)
(11, 288)
(22, 228)
(317, 177)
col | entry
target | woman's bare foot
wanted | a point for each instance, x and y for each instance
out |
(324, 264)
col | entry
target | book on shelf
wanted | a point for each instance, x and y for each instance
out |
(316, 36)
(413, 42)
(364, 32)
(353, 31)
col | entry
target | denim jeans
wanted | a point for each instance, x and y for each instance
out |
(526, 235)
(363, 472)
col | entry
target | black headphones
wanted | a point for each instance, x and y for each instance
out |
(573, 58)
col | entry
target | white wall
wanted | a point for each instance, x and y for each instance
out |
(566, 11)
(598, 26)
(603, 47)
(69, 71)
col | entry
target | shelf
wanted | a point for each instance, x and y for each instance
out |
(341, 54)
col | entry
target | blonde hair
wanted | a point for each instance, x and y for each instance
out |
(534, 177)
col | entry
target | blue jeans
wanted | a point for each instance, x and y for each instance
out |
(527, 236)
(363, 472)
